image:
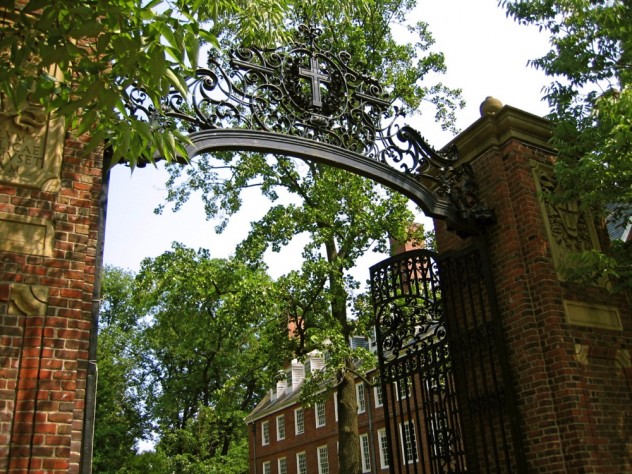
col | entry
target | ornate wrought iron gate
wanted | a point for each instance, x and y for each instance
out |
(447, 396)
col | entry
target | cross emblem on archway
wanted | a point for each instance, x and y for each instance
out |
(317, 78)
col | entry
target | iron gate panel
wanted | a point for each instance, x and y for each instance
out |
(448, 400)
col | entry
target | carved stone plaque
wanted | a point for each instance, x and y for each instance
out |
(31, 147)
(28, 300)
(31, 140)
(25, 234)
(569, 229)
(592, 315)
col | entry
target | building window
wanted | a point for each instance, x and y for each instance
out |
(280, 424)
(379, 397)
(320, 414)
(299, 421)
(336, 406)
(301, 463)
(381, 436)
(266, 467)
(409, 442)
(265, 433)
(440, 434)
(361, 399)
(404, 388)
(282, 466)
(323, 460)
(365, 453)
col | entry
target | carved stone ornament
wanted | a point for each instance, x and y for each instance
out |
(28, 300)
(568, 228)
(26, 234)
(459, 184)
(31, 140)
(592, 315)
(581, 353)
(622, 359)
(31, 147)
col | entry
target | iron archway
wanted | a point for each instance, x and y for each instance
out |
(303, 100)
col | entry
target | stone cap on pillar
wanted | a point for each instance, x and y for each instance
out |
(499, 124)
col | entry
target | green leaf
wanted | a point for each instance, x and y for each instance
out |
(192, 47)
(177, 82)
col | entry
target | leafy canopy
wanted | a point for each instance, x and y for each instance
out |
(590, 64)
(119, 420)
(77, 59)
(186, 350)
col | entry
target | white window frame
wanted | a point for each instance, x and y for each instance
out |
(266, 469)
(402, 395)
(336, 406)
(299, 429)
(282, 465)
(265, 433)
(365, 452)
(379, 396)
(361, 397)
(323, 459)
(320, 422)
(382, 442)
(405, 429)
(280, 427)
(301, 457)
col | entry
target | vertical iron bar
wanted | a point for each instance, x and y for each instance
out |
(478, 332)
(510, 399)
(484, 302)
(458, 342)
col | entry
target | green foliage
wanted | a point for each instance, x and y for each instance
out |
(77, 58)
(590, 63)
(213, 328)
(182, 352)
(187, 448)
(590, 267)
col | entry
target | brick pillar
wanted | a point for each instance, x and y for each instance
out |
(568, 346)
(49, 229)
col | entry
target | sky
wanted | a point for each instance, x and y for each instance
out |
(486, 55)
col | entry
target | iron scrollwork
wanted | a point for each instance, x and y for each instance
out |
(305, 90)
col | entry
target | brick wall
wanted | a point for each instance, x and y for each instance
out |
(572, 376)
(46, 300)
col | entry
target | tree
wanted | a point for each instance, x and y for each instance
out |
(182, 350)
(209, 330)
(590, 63)
(342, 225)
(119, 421)
(77, 59)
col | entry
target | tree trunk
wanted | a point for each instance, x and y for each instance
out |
(349, 441)
(348, 438)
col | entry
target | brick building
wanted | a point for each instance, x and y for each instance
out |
(286, 437)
